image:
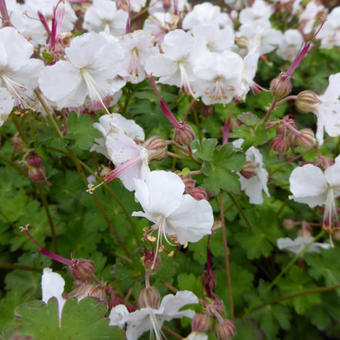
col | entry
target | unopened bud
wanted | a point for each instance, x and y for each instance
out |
(34, 160)
(97, 291)
(36, 174)
(157, 148)
(242, 42)
(197, 193)
(18, 144)
(201, 323)
(280, 144)
(224, 330)
(249, 169)
(188, 181)
(166, 5)
(82, 269)
(290, 138)
(184, 134)
(288, 224)
(307, 101)
(149, 297)
(304, 233)
(336, 235)
(280, 86)
(306, 138)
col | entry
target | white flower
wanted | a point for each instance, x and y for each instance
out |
(297, 245)
(52, 285)
(219, 77)
(290, 44)
(328, 111)
(18, 72)
(90, 71)
(138, 47)
(308, 16)
(206, 13)
(118, 316)
(311, 186)
(330, 33)
(156, 6)
(161, 196)
(150, 319)
(254, 185)
(174, 66)
(118, 145)
(103, 15)
(259, 12)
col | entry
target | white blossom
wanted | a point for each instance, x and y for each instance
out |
(297, 245)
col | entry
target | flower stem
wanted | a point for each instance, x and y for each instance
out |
(47, 111)
(226, 259)
(19, 128)
(270, 110)
(48, 214)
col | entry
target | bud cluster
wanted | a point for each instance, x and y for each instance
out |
(197, 193)
(288, 136)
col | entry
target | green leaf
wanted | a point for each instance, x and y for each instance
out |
(82, 133)
(205, 149)
(84, 320)
(326, 266)
(190, 282)
(219, 178)
(225, 157)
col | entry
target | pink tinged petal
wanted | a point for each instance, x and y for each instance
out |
(118, 316)
(171, 304)
(52, 285)
(308, 185)
(121, 148)
(6, 105)
(59, 80)
(191, 220)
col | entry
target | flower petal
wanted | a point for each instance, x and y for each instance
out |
(308, 185)
(118, 316)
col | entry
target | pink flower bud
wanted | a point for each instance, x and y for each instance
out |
(188, 181)
(249, 169)
(281, 85)
(280, 144)
(307, 101)
(36, 174)
(197, 193)
(82, 269)
(34, 160)
(149, 297)
(288, 224)
(224, 330)
(157, 148)
(201, 323)
(184, 134)
(306, 138)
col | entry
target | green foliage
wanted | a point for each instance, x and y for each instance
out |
(80, 320)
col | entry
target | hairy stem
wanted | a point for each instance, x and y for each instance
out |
(270, 110)
(226, 259)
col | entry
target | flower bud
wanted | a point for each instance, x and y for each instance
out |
(166, 5)
(306, 138)
(290, 138)
(201, 323)
(304, 232)
(307, 101)
(34, 160)
(197, 193)
(149, 297)
(184, 134)
(280, 144)
(280, 86)
(18, 144)
(336, 235)
(188, 181)
(249, 169)
(224, 330)
(288, 223)
(242, 42)
(157, 148)
(97, 291)
(82, 269)
(36, 174)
